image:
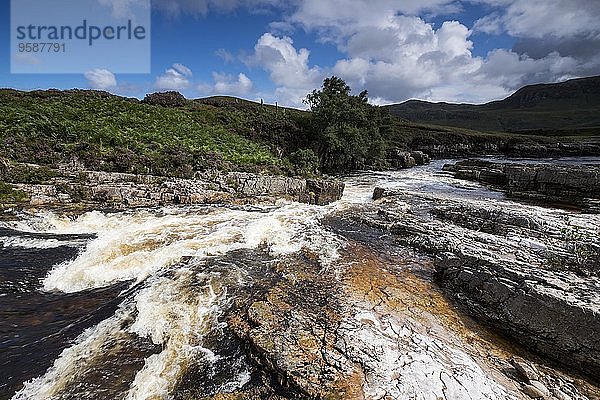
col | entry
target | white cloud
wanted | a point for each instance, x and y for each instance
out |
(539, 18)
(225, 84)
(511, 70)
(354, 69)
(490, 24)
(288, 68)
(101, 79)
(182, 69)
(228, 84)
(174, 78)
(396, 55)
(453, 39)
(406, 57)
(225, 55)
(343, 15)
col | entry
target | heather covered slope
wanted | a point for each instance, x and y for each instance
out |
(112, 133)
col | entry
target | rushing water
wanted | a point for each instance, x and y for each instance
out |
(122, 305)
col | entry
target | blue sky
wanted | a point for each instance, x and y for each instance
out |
(438, 50)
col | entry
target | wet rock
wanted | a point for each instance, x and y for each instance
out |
(322, 192)
(400, 159)
(499, 262)
(526, 371)
(420, 157)
(129, 190)
(462, 147)
(293, 332)
(536, 391)
(568, 184)
(554, 314)
(380, 193)
(560, 395)
(369, 333)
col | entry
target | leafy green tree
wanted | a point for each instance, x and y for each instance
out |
(345, 129)
(305, 162)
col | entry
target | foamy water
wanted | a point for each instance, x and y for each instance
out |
(135, 245)
(174, 304)
(176, 310)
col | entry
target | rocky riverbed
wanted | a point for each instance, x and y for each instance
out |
(439, 288)
(73, 185)
(119, 190)
(567, 184)
(465, 146)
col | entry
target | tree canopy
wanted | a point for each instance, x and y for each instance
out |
(345, 130)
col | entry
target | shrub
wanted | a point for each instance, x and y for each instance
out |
(165, 99)
(305, 162)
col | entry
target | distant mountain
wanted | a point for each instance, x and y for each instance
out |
(567, 107)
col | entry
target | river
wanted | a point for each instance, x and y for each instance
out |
(131, 305)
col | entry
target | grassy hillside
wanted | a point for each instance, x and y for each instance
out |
(168, 135)
(568, 108)
(118, 134)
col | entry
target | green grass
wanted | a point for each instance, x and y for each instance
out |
(408, 135)
(118, 134)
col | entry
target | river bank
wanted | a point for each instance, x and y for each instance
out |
(73, 186)
(76, 187)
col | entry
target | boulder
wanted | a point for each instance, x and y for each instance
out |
(555, 314)
(420, 157)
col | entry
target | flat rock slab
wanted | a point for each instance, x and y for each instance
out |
(520, 268)
(577, 185)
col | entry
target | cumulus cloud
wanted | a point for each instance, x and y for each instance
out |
(396, 54)
(228, 84)
(490, 24)
(390, 51)
(511, 70)
(389, 48)
(342, 16)
(540, 18)
(101, 79)
(405, 57)
(354, 69)
(556, 40)
(174, 78)
(182, 69)
(288, 68)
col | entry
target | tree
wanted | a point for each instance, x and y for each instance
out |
(345, 129)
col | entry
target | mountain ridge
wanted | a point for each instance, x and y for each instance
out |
(569, 105)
